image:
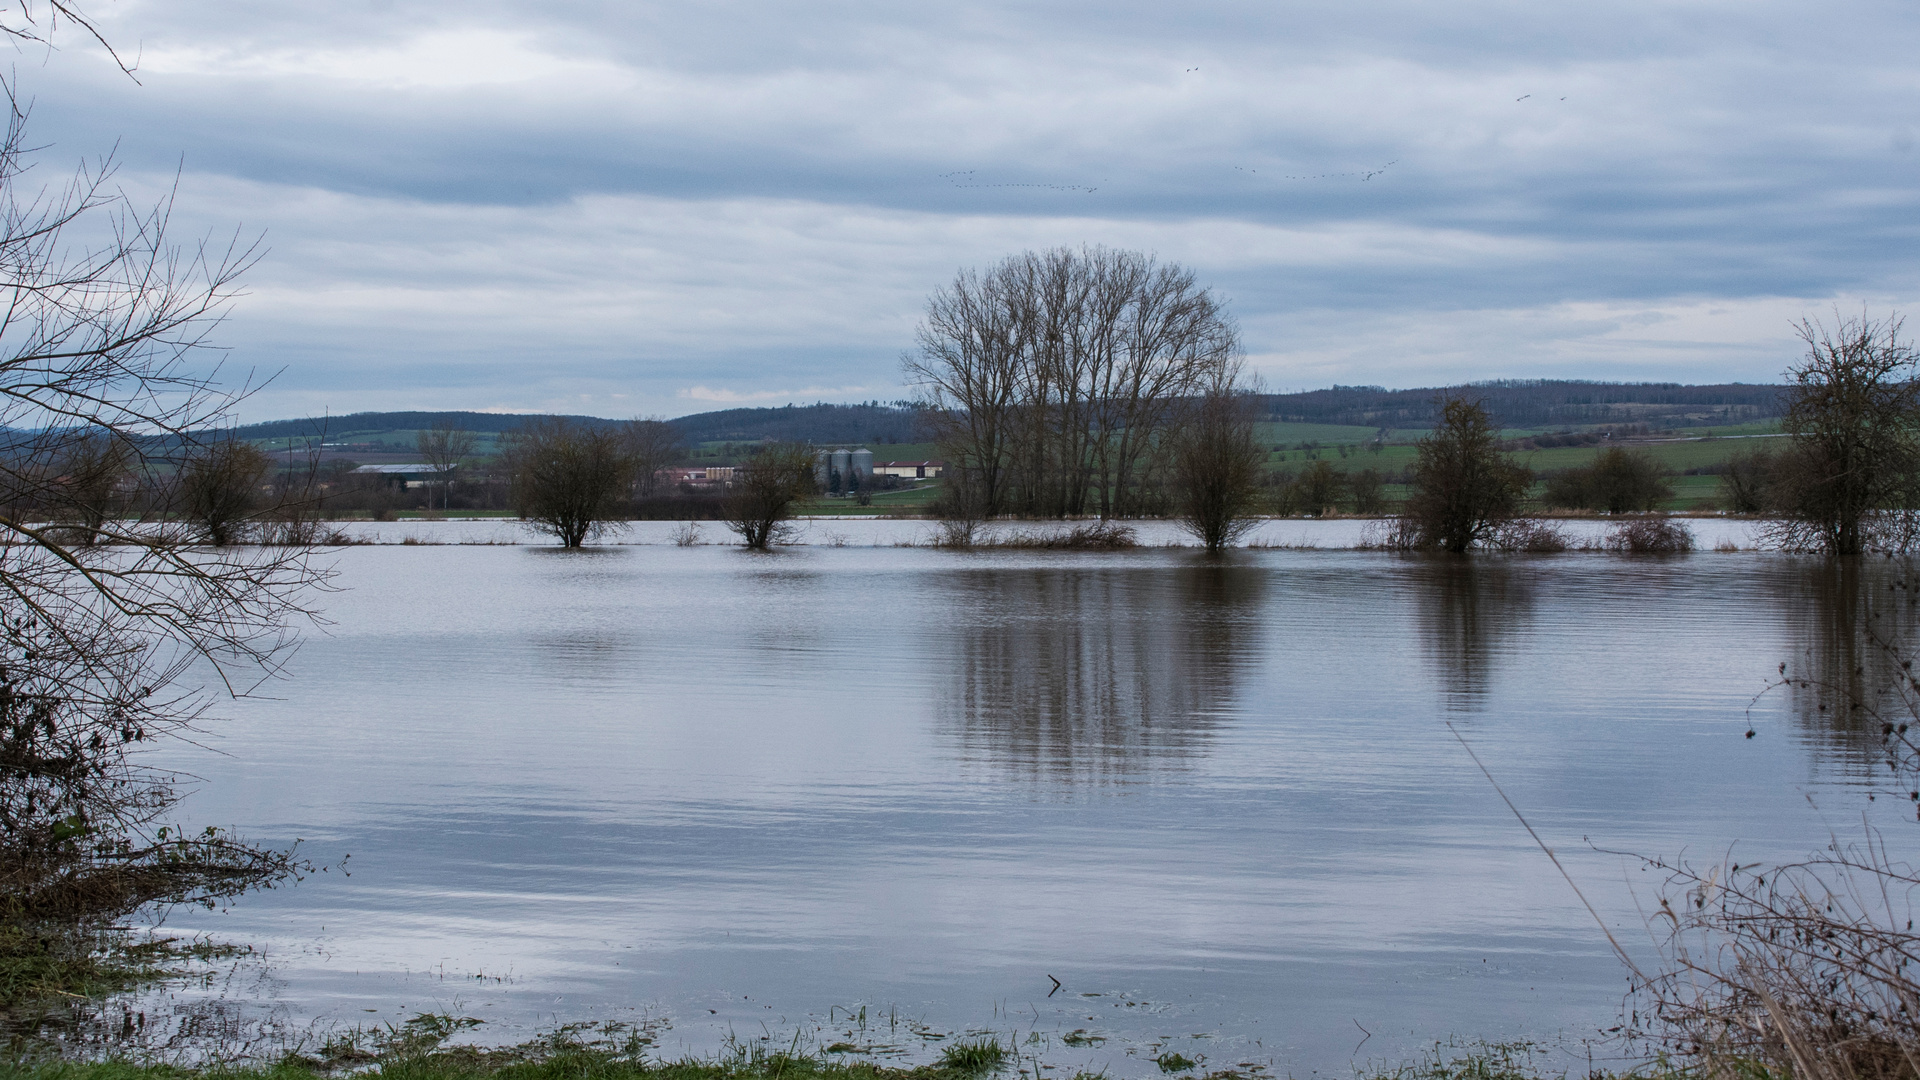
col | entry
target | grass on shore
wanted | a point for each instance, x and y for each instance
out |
(417, 1051)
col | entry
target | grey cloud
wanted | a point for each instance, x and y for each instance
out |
(481, 156)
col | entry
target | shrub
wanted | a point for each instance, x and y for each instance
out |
(1650, 536)
(1093, 536)
(1616, 482)
(1531, 537)
(1320, 489)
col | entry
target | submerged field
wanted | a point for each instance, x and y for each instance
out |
(905, 791)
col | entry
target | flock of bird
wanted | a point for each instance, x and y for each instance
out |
(968, 178)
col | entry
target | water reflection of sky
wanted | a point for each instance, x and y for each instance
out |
(1217, 794)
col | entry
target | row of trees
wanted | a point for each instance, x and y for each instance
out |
(568, 478)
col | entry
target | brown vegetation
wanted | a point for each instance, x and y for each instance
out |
(1617, 481)
(1649, 536)
(1055, 381)
(568, 478)
(1217, 468)
(1462, 489)
(765, 490)
(1849, 481)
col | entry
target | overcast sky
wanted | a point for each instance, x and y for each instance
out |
(630, 208)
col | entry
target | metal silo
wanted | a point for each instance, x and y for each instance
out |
(860, 464)
(821, 466)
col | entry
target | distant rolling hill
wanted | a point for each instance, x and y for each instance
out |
(1514, 403)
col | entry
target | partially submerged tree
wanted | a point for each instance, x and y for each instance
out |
(88, 484)
(1851, 474)
(1462, 489)
(1217, 467)
(568, 478)
(1055, 380)
(764, 490)
(219, 488)
(445, 446)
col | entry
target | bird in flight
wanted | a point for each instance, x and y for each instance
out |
(1364, 176)
(1193, 69)
(1523, 97)
(969, 178)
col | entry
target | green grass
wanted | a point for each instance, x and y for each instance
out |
(905, 501)
(416, 1051)
(1291, 434)
(42, 964)
(978, 1056)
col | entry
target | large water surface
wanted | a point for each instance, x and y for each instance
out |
(1217, 800)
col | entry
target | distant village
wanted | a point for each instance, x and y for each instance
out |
(838, 471)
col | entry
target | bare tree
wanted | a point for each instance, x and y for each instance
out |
(1748, 482)
(1320, 489)
(1217, 467)
(1463, 489)
(764, 491)
(106, 338)
(1055, 379)
(1174, 340)
(1618, 481)
(972, 345)
(653, 444)
(1851, 476)
(1366, 486)
(445, 446)
(90, 474)
(219, 488)
(568, 477)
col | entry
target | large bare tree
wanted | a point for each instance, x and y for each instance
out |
(1850, 478)
(973, 348)
(1055, 379)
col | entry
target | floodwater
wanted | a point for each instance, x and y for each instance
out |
(1218, 800)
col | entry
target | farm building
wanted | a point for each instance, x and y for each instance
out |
(419, 474)
(912, 470)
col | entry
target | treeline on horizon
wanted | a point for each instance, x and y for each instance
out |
(1546, 403)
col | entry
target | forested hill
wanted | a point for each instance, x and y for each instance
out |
(1514, 404)
(871, 422)
(1538, 404)
(341, 428)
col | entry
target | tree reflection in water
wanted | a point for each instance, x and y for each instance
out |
(1096, 674)
(1469, 610)
(1852, 620)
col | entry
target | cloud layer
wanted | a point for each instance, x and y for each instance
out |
(634, 208)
